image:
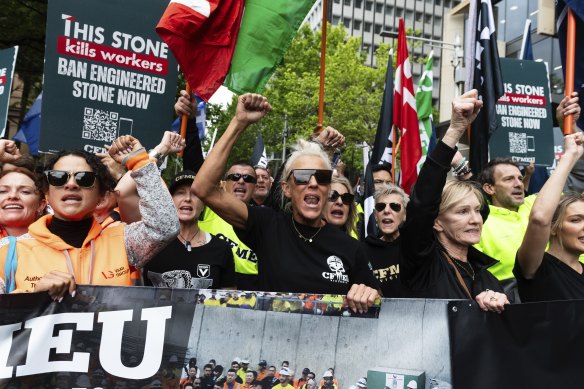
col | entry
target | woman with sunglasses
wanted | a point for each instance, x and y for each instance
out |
(340, 208)
(382, 251)
(70, 247)
(443, 222)
(296, 252)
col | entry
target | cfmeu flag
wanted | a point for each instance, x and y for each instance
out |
(259, 156)
(486, 78)
(577, 7)
(382, 149)
(267, 29)
(202, 35)
(405, 118)
(424, 109)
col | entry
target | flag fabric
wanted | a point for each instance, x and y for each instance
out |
(577, 7)
(526, 52)
(405, 118)
(424, 109)
(382, 150)
(202, 35)
(258, 156)
(267, 30)
(30, 128)
(487, 80)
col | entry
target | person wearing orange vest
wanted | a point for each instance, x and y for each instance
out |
(70, 247)
(230, 382)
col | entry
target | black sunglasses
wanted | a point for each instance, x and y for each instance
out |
(380, 207)
(346, 198)
(248, 178)
(302, 176)
(60, 178)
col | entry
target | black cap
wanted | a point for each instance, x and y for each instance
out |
(184, 177)
(262, 362)
(305, 370)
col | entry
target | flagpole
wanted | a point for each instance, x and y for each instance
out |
(322, 68)
(570, 60)
(184, 120)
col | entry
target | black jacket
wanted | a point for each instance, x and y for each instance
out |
(423, 264)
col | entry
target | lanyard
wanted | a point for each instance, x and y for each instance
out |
(70, 264)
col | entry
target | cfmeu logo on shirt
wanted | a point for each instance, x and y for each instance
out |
(337, 273)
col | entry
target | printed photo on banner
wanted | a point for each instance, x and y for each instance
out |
(107, 73)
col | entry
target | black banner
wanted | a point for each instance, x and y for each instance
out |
(534, 345)
(101, 336)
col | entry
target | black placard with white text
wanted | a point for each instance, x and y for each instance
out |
(107, 73)
(7, 62)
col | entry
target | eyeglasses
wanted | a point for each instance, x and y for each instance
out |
(302, 176)
(346, 198)
(59, 178)
(247, 178)
(380, 207)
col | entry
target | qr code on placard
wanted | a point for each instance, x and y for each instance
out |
(517, 143)
(99, 125)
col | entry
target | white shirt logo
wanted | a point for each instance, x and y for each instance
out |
(337, 273)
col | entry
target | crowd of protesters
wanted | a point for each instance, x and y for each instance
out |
(109, 219)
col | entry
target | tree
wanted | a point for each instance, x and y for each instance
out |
(353, 94)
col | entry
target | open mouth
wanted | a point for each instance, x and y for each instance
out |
(387, 222)
(71, 198)
(12, 206)
(311, 200)
(337, 213)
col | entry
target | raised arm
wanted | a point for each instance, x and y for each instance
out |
(250, 109)
(417, 234)
(536, 237)
(159, 224)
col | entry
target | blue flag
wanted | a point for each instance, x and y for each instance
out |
(30, 128)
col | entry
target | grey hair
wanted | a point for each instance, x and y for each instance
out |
(304, 149)
(389, 189)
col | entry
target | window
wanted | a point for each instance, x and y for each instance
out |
(357, 24)
(347, 22)
(358, 3)
(409, 15)
(336, 20)
(378, 7)
(428, 18)
(337, 1)
(419, 16)
(388, 10)
(399, 12)
(366, 48)
(368, 5)
(377, 28)
(347, 2)
(367, 27)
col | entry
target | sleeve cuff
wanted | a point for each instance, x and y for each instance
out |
(139, 160)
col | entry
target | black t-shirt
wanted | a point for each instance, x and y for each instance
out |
(176, 265)
(384, 259)
(553, 280)
(329, 264)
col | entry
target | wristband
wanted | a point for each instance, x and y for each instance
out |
(137, 159)
(157, 156)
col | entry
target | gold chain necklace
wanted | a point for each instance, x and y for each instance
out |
(308, 240)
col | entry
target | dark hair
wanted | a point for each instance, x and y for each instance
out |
(232, 371)
(286, 362)
(378, 168)
(487, 176)
(106, 181)
(241, 163)
(208, 366)
(218, 368)
(193, 362)
(24, 161)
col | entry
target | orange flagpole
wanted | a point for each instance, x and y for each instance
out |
(322, 68)
(183, 120)
(570, 59)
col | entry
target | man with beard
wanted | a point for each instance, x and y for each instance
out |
(270, 380)
(208, 380)
(284, 379)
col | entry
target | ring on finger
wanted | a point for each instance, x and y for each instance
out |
(493, 298)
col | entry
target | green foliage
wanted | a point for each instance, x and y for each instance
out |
(353, 93)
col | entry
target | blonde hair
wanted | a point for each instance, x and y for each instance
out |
(304, 149)
(350, 227)
(390, 189)
(455, 191)
(560, 215)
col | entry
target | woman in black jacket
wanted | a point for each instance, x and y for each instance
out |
(443, 222)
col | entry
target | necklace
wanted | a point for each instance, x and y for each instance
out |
(466, 268)
(308, 240)
(187, 242)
